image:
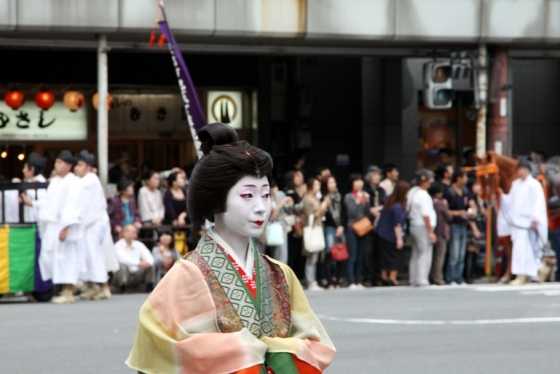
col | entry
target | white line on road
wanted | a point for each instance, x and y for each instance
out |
(527, 287)
(544, 292)
(504, 321)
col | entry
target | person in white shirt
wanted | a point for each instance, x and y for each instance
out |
(423, 220)
(524, 211)
(136, 263)
(391, 179)
(97, 244)
(32, 171)
(150, 200)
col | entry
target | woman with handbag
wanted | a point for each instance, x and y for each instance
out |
(390, 233)
(314, 241)
(330, 269)
(358, 226)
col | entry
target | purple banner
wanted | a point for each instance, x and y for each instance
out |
(193, 109)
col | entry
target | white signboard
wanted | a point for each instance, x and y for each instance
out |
(225, 107)
(32, 123)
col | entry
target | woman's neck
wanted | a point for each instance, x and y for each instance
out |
(238, 243)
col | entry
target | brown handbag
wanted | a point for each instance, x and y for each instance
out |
(362, 227)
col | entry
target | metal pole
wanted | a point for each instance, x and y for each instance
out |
(102, 110)
(482, 83)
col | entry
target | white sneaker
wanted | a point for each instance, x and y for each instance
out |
(356, 287)
(314, 287)
(453, 284)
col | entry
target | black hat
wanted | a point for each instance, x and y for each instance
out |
(37, 161)
(86, 157)
(67, 157)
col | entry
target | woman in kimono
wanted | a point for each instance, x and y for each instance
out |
(225, 307)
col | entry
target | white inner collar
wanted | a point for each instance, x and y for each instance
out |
(247, 263)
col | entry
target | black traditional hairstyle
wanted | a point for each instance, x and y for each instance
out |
(226, 160)
(216, 134)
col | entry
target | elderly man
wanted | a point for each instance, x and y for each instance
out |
(136, 263)
(524, 210)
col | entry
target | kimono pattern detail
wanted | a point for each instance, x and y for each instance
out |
(266, 315)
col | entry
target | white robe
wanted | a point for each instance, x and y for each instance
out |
(97, 243)
(30, 212)
(524, 205)
(61, 261)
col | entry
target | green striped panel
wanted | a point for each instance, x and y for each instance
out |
(22, 259)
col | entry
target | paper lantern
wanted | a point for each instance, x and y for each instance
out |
(14, 99)
(95, 101)
(44, 99)
(73, 100)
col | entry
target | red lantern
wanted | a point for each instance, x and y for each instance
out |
(73, 100)
(44, 99)
(14, 99)
(95, 101)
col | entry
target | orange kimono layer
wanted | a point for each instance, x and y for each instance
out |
(202, 319)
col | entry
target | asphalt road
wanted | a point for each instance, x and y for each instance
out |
(476, 329)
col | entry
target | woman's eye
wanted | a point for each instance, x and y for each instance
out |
(266, 196)
(247, 195)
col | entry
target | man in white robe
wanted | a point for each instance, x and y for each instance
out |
(61, 259)
(97, 242)
(524, 210)
(32, 171)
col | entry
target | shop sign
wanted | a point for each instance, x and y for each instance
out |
(225, 107)
(33, 123)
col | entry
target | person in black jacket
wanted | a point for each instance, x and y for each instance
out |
(372, 270)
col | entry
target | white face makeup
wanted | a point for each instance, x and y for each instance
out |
(248, 207)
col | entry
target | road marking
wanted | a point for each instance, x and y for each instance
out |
(503, 321)
(543, 292)
(527, 287)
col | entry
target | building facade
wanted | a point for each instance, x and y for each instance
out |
(336, 81)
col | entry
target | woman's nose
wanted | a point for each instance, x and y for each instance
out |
(260, 206)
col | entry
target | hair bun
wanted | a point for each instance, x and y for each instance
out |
(216, 134)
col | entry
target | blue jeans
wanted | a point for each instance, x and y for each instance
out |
(357, 248)
(457, 252)
(327, 267)
(330, 237)
(555, 241)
